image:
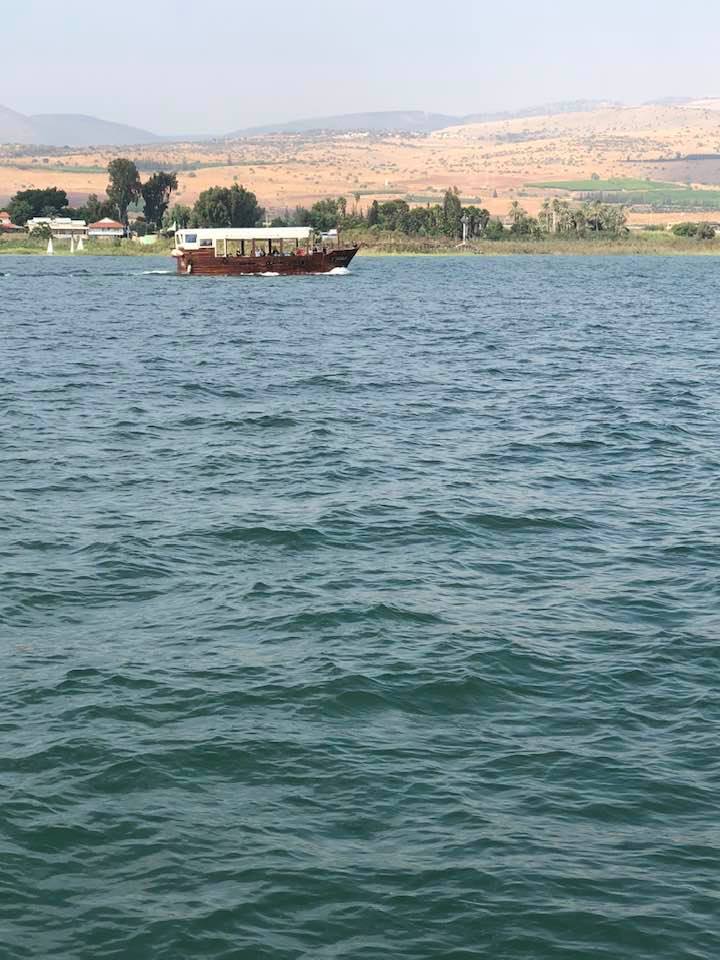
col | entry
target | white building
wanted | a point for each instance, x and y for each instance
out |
(61, 228)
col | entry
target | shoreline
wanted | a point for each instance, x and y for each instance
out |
(390, 245)
(650, 244)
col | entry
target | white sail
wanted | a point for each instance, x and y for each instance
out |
(72, 244)
(50, 250)
(80, 244)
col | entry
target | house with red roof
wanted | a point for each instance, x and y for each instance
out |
(105, 229)
(6, 224)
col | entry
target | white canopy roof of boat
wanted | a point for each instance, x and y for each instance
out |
(245, 233)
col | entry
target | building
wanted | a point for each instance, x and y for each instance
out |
(61, 228)
(6, 224)
(105, 229)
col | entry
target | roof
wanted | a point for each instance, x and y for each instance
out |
(105, 224)
(57, 221)
(248, 233)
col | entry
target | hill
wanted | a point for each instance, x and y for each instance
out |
(398, 121)
(541, 110)
(413, 121)
(74, 130)
(14, 127)
(77, 130)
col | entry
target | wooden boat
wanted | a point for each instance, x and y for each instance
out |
(260, 251)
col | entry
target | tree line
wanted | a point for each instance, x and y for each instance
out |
(451, 220)
(236, 206)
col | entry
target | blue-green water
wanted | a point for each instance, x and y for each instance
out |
(360, 617)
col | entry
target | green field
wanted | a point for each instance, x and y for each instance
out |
(659, 195)
(53, 167)
(143, 167)
(618, 183)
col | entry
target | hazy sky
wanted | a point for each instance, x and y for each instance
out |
(201, 66)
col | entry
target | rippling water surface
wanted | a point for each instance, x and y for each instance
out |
(360, 617)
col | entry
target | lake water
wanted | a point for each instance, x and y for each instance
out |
(370, 617)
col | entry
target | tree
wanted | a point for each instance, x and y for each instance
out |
(36, 203)
(156, 193)
(522, 225)
(95, 209)
(601, 217)
(394, 215)
(244, 208)
(557, 208)
(212, 208)
(180, 217)
(227, 207)
(373, 217)
(300, 218)
(124, 187)
(20, 211)
(701, 231)
(477, 220)
(452, 213)
(41, 232)
(494, 230)
(325, 214)
(545, 216)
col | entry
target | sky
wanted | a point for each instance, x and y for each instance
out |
(213, 66)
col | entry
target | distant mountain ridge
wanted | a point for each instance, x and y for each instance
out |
(544, 109)
(68, 129)
(78, 130)
(406, 121)
(14, 127)
(414, 121)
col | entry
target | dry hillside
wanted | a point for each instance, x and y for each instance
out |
(493, 161)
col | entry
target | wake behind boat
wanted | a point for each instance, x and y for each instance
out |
(231, 251)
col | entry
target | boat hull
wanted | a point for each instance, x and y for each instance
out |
(205, 263)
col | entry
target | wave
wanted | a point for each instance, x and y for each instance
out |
(298, 539)
(320, 603)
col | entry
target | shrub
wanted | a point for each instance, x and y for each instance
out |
(701, 231)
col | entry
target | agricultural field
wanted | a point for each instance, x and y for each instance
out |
(614, 185)
(662, 196)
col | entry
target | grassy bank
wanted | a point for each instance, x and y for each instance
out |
(650, 243)
(107, 248)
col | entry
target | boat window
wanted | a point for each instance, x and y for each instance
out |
(190, 238)
(207, 242)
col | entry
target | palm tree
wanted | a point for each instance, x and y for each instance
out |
(557, 209)
(544, 216)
